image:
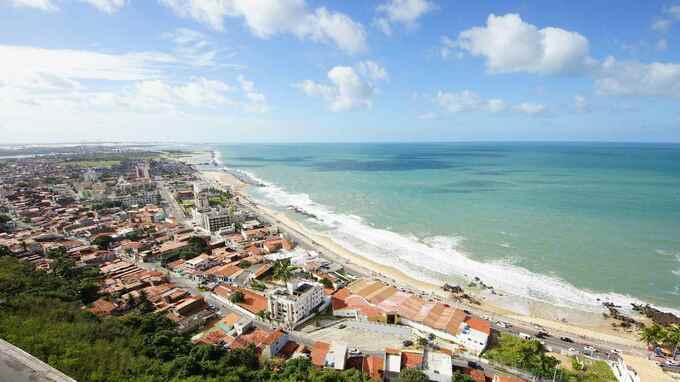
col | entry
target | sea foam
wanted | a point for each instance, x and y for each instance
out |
(436, 259)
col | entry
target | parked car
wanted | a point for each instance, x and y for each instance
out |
(407, 343)
(474, 365)
(342, 326)
(542, 334)
(589, 349)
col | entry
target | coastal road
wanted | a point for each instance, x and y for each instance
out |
(603, 350)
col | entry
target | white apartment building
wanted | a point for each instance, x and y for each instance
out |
(212, 219)
(293, 304)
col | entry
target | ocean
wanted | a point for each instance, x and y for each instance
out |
(569, 224)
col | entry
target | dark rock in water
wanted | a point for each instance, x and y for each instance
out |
(452, 288)
(657, 316)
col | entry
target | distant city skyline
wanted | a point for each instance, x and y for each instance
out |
(321, 71)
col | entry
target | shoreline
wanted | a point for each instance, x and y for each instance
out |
(601, 332)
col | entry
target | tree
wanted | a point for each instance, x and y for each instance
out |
(422, 341)
(283, 270)
(460, 377)
(4, 251)
(103, 241)
(244, 264)
(327, 283)
(653, 335)
(237, 297)
(672, 338)
(412, 375)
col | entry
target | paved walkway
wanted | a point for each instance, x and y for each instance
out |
(18, 366)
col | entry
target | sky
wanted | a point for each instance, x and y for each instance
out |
(338, 71)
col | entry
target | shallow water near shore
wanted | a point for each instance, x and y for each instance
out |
(565, 224)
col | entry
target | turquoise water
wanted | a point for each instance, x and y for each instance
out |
(562, 223)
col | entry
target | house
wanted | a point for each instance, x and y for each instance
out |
(200, 262)
(273, 344)
(225, 273)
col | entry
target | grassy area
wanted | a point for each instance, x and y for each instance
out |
(592, 371)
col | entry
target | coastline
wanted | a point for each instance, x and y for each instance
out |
(599, 330)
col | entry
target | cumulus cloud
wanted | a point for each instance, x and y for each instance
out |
(509, 44)
(347, 89)
(530, 108)
(466, 101)
(107, 6)
(633, 78)
(373, 71)
(267, 18)
(405, 12)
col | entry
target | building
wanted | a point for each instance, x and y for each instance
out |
(212, 219)
(294, 303)
(142, 170)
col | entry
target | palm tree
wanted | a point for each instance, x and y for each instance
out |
(673, 338)
(282, 270)
(653, 335)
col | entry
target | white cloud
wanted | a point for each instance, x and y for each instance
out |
(633, 78)
(267, 18)
(447, 47)
(44, 5)
(256, 100)
(107, 6)
(405, 12)
(466, 101)
(674, 11)
(193, 47)
(581, 104)
(662, 25)
(346, 91)
(511, 45)
(530, 108)
(373, 71)
(51, 81)
(662, 44)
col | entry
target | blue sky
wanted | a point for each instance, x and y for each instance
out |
(290, 70)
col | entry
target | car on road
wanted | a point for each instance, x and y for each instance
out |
(567, 339)
(502, 324)
(485, 317)
(354, 351)
(589, 349)
(525, 336)
(542, 334)
(342, 326)
(407, 343)
(474, 365)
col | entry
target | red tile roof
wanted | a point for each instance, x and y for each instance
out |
(319, 351)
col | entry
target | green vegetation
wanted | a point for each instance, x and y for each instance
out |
(4, 251)
(41, 314)
(589, 371)
(257, 285)
(245, 264)
(283, 270)
(526, 355)
(460, 377)
(326, 283)
(412, 375)
(103, 242)
(657, 335)
(237, 297)
(196, 246)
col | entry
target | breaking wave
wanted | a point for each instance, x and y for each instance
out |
(436, 259)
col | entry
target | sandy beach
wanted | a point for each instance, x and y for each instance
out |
(600, 330)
